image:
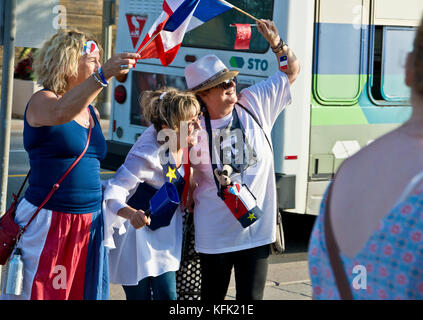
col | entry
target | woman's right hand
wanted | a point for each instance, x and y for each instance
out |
(113, 66)
(138, 219)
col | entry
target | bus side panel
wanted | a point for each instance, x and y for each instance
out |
(291, 132)
(345, 114)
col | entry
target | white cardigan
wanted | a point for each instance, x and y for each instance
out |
(139, 253)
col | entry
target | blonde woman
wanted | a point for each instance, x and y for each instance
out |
(62, 250)
(145, 260)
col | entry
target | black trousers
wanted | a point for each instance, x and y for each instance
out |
(250, 273)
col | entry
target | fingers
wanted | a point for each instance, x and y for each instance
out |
(139, 220)
(128, 62)
(129, 55)
(120, 64)
(269, 31)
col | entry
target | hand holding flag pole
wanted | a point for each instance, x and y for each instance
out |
(147, 43)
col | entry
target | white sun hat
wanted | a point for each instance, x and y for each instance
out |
(206, 73)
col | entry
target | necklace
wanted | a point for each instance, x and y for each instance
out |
(86, 123)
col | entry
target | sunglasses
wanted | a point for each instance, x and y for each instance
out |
(227, 83)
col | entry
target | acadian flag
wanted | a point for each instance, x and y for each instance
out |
(242, 204)
(177, 18)
(283, 62)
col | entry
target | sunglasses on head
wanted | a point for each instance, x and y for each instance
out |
(227, 83)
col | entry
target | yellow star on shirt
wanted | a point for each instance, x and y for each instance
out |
(171, 174)
(251, 216)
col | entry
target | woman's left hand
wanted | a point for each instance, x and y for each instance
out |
(269, 31)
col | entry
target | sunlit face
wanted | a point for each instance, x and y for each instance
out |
(88, 64)
(187, 131)
(221, 96)
(194, 127)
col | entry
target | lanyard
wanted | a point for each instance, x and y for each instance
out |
(210, 135)
(235, 123)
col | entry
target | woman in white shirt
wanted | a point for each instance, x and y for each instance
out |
(222, 241)
(142, 260)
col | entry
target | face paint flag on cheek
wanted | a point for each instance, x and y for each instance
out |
(90, 47)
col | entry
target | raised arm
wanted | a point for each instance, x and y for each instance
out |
(269, 31)
(48, 109)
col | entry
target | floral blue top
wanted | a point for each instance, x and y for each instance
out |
(390, 266)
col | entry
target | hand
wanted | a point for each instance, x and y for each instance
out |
(138, 219)
(269, 31)
(112, 67)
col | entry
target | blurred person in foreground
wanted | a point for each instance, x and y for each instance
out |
(63, 249)
(222, 241)
(376, 212)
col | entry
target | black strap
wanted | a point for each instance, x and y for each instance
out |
(210, 135)
(258, 123)
(17, 196)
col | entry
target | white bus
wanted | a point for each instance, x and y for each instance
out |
(350, 90)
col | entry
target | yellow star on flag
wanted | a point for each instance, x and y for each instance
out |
(171, 174)
(251, 216)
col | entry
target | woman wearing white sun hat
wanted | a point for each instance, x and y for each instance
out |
(222, 241)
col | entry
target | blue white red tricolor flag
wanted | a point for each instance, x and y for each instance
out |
(283, 62)
(177, 18)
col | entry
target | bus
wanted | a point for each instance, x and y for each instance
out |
(350, 90)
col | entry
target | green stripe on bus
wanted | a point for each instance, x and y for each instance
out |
(327, 116)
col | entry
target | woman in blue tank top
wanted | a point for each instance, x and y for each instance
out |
(63, 249)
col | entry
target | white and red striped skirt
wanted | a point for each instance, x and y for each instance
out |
(64, 255)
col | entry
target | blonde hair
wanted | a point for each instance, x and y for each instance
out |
(169, 106)
(418, 60)
(58, 59)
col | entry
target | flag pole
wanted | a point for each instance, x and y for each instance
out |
(148, 42)
(239, 10)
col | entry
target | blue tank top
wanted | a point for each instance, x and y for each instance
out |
(51, 150)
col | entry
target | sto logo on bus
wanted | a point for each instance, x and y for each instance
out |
(252, 63)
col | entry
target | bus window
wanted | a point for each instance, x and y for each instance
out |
(391, 46)
(142, 81)
(339, 52)
(219, 26)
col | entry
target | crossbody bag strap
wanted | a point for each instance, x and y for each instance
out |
(57, 184)
(258, 123)
(341, 279)
(17, 196)
(210, 136)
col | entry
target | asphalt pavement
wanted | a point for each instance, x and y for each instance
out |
(285, 281)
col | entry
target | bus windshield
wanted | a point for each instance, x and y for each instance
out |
(224, 34)
(142, 81)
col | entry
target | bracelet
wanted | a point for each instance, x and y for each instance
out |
(279, 47)
(98, 80)
(100, 73)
